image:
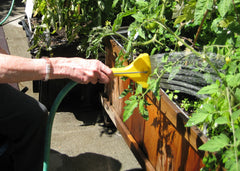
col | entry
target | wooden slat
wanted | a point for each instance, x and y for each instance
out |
(152, 134)
(175, 115)
(129, 139)
(137, 127)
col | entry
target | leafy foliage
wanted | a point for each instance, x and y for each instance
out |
(202, 27)
(75, 18)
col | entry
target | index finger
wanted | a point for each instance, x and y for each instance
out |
(105, 74)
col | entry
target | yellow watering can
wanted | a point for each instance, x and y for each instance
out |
(138, 71)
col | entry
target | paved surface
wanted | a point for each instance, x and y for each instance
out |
(80, 140)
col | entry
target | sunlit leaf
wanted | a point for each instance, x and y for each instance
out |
(124, 93)
(233, 80)
(142, 109)
(215, 143)
(129, 108)
(210, 89)
(235, 115)
(114, 3)
(139, 89)
(196, 119)
(224, 6)
(174, 72)
(201, 7)
(222, 120)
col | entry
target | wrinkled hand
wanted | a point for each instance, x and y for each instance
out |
(86, 71)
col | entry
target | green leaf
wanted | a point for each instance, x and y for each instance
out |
(215, 23)
(177, 10)
(129, 108)
(153, 84)
(156, 88)
(235, 115)
(141, 106)
(228, 158)
(139, 17)
(139, 89)
(141, 33)
(224, 6)
(210, 89)
(216, 143)
(187, 12)
(114, 3)
(196, 119)
(101, 5)
(233, 165)
(222, 120)
(124, 93)
(201, 7)
(237, 134)
(129, 46)
(179, 19)
(118, 21)
(174, 72)
(233, 80)
(142, 109)
(141, 3)
(208, 107)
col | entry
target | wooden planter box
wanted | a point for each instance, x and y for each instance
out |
(162, 142)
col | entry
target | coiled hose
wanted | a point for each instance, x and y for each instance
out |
(8, 14)
(51, 116)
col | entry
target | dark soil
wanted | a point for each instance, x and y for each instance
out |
(191, 99)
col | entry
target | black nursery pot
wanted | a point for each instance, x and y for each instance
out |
(81, 95)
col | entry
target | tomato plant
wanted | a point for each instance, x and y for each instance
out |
(73, 19)
(198, 27)
(202, 27)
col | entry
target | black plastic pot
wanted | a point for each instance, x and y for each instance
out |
(84, 95)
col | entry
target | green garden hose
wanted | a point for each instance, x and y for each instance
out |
(8, 14)
(53, 110)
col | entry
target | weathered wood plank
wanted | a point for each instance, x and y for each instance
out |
(129, 139)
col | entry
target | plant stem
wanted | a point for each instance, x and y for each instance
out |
(233, 129)
(200, 27)
(163, 8)
(121, 36)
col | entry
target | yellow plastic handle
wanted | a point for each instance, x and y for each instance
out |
(138, 70)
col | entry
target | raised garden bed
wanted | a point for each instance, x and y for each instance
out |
(162, 142)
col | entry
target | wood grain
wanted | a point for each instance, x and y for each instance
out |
(162, 142)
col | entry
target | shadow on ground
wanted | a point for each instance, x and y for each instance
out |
(62, 162)
(90, 115)
(83, 162)
(5, 7)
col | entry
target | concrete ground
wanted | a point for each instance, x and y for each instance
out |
(80, 139)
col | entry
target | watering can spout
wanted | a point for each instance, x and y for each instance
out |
(138, 71)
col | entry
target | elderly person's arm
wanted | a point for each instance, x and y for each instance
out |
(17, 69)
